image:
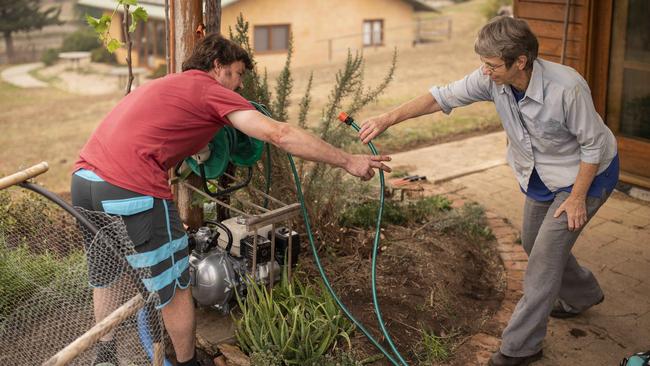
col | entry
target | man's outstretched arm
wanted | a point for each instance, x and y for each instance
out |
(305, 145)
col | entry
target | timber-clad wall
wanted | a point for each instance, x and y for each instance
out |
(546, 19)
(588, 37)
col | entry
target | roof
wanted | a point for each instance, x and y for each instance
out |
(420, 6)
(156, 8)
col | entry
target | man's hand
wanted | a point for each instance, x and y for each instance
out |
(363, 166)
(576, 212)
(372, 127)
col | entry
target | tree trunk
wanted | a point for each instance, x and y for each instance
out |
(9, 47)
(185, 16)
(213, 16)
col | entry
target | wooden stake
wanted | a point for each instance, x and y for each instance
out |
(23, 175)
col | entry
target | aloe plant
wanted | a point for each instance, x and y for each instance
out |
(295, 322)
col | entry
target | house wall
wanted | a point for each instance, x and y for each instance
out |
(312, 23)
(116, 32)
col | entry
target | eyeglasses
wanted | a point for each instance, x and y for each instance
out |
(491, 68)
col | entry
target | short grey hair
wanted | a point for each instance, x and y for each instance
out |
(507, 38)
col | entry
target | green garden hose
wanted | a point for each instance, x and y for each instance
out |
(375, 302)
(261, 108)
(310, 236)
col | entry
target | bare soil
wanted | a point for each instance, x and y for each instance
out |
(427, 280)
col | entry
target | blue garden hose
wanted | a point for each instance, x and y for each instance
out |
(348, 120)
(145, 334)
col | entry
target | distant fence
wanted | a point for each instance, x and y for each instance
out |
(432, 29)
(423, 31)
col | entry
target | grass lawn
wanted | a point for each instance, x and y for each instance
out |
(52, 125)
(418, 68)
(46, 125)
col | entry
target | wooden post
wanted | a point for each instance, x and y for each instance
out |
(213, 25)
(213, 16)
(23, 175)
(185, 17)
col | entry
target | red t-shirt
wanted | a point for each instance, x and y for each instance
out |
(155, 127)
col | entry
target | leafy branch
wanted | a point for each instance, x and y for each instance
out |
(102, 25)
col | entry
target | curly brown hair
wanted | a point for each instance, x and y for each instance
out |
(215, 47)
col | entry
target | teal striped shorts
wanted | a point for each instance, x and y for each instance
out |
(160, 243)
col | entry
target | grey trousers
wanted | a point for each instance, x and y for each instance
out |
(552, 273)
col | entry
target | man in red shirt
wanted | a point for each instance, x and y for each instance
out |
(123, 170)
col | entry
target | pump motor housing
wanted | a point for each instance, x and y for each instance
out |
(217, 276)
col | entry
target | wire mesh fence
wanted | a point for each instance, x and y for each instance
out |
(59, 279)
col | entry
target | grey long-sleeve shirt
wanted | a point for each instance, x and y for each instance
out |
(553, 128)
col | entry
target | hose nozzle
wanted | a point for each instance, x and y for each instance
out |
(345, 118)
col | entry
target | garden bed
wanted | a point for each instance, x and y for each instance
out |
(438, 281)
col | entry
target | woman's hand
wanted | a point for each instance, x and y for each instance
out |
(372, 127)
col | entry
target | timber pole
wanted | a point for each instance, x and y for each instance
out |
(185, 17)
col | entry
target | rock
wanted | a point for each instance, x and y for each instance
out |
(220, 361)
(234, 355)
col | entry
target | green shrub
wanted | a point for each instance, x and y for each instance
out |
(265, 358)
(82, 40)
(435, 348)
(17, 212)
(23, 274)
(365, 214)
(340, 358)
(50, 56)
(29, 261)
(101, 54)
(468, 221)
(295, 324)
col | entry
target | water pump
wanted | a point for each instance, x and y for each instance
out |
(223, 257)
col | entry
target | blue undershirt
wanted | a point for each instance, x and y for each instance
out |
(603, 182)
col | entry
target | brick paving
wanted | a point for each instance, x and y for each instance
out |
(615, 245)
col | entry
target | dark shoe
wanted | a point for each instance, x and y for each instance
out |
(499, 359)
(560, 312)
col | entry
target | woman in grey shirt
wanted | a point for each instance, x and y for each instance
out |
(563, 156)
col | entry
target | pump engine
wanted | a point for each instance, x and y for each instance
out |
(223, 257)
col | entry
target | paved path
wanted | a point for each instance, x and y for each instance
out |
(615, 246)
(455, 159)
(19, 76)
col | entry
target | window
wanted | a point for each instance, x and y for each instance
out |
(271, 38)
(629, 84)
(373, 32)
